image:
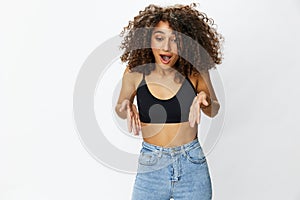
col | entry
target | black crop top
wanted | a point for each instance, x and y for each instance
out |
(173, 110)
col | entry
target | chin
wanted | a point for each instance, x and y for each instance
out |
(164, 66)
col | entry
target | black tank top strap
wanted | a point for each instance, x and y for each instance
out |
(191, 84)
(143, 74)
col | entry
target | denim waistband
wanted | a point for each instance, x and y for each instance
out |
(172, 150)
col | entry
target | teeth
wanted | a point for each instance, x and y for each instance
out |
(165, 58)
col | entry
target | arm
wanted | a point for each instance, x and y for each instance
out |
(125, 108)
(206, 90)
(127, 93)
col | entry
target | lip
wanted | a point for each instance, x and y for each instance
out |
(163, 61)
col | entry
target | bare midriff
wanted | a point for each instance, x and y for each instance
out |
(168, 135)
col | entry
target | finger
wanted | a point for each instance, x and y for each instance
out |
(136, 118)
(199, 117)
(122, 107)
(205, 102)
(124, 104)
(192, 120)
(193, 107)
(129, 119)
(190, 117)
(195, 114)
(198, 113)
(192, 123)
(195, 99)
(139, 123)
(136, 125)
(133, 126)
(197, 109)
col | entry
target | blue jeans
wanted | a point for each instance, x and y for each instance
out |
(178, 172)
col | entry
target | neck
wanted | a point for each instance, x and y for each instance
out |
(164, 72)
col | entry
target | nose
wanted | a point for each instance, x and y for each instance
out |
(166, 45)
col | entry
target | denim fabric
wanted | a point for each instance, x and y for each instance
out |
(178, 172)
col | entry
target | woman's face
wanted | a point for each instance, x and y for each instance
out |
(164, 45)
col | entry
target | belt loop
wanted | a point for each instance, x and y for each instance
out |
(183, 151)
(160, 152)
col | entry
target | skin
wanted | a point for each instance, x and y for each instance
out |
(162, 85)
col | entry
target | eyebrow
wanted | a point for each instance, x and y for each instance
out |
(157, 31)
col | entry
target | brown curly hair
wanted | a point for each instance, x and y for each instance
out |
(193, 28)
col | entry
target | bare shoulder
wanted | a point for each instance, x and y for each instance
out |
(132, 77)
(202, 82)
(130, 81)
(195, 77)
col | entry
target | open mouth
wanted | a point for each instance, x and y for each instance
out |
(165, 58)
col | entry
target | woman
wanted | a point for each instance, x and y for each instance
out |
(169, 51)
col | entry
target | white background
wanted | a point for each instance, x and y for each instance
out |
(42, 47)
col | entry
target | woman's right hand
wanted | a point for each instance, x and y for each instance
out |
(133, 119)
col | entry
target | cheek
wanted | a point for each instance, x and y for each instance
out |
(154, 50)
(176, 58)
(154, 45)
(175, 49)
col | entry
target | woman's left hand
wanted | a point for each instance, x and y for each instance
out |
(194, 115)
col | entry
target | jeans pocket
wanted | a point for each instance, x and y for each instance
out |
(196, 155)
(148, 157)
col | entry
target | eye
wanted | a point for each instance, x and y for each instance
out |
(173, 40)
(159, 39)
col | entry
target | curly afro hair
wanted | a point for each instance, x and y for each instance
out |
(199, 44)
